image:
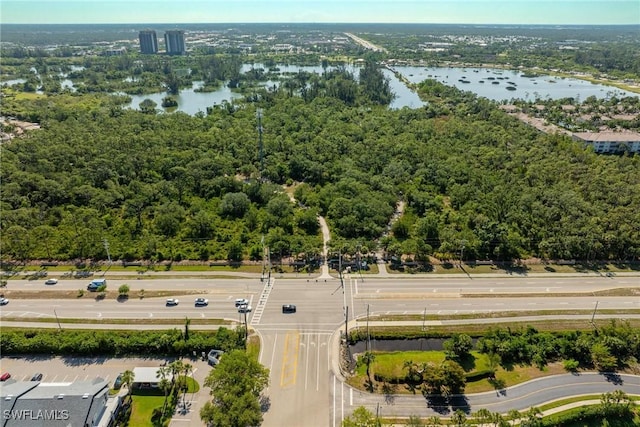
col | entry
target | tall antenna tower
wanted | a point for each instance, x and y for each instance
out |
(260, 144)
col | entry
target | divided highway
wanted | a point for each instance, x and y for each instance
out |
(300, 349)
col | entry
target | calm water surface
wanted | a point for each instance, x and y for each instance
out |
(485, 82)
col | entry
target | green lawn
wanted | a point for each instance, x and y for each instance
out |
(391, 365)
(142, 409)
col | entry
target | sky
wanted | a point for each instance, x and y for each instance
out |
(577, 12)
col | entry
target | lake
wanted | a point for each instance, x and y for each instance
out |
(486, 82)
(494, 84)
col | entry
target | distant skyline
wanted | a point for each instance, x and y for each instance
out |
(550, 12)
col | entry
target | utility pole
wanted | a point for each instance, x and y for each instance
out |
(57, 320)
(593, 316)
(105, 242)
(246, 327)
(368, 336)
(260, 144)
(462, 243)
(424, 319)
(346, 327)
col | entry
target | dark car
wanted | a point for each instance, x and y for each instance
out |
(288, 308)
(36, 377)
(201, 302)
(118, 382)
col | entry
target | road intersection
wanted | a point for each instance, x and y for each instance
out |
(306, 388)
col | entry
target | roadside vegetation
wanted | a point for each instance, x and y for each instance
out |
(501, 357)
(68, 342)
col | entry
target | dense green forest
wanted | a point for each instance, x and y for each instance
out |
(174, 186)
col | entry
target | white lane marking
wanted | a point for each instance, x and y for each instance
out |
(306, 362)
(333, 409)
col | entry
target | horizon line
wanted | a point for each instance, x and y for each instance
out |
(328, 23)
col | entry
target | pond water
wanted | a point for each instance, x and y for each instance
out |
(494, 83)
(489, 83)
(189, 101)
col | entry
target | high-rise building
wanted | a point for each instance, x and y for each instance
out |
(148, 41)
(174, 42)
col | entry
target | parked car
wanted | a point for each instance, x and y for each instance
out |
(36, 377)
(5, 376)
(51, 281)
(214, 357)
(245, 308)
(288, 308)
(172, 301)
(241, 301)
(4, 301)
(118, 382)
(201, 302)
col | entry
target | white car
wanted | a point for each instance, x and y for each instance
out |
(4, 301)
(51, 281)
(245, 308)
(241, 301)
(201, 302)
(172, 301)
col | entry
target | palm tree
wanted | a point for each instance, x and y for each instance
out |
(514, 415)
(127, 380)
(186, 368)
(483, 416)
(368, 358)
(162, 373)
(175, 368)
(434, 421)
(459, 418)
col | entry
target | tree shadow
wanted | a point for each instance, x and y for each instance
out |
(370, 385)
(265, 403)
(437, 403)
(445, 405)
(389, 393)
(467, 361)
(499, 385)
(459, 402)
(613, 377)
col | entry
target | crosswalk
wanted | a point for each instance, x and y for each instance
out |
(262, 301)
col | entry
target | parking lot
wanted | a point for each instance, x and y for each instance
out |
(71, 369)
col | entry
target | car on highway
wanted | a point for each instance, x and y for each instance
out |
(4, 301)
(172, 301)
(5, 376)
(51, 281)
(244, 308)
(96, 284)
(288, 308)
(241, 301)
(201, 302)
(36, 377)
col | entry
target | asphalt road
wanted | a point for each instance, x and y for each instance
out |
(321, 302)
(520, 397)
(299, 348)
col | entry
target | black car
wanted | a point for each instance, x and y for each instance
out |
(36, 377)
(288, 308)
(118, 382)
